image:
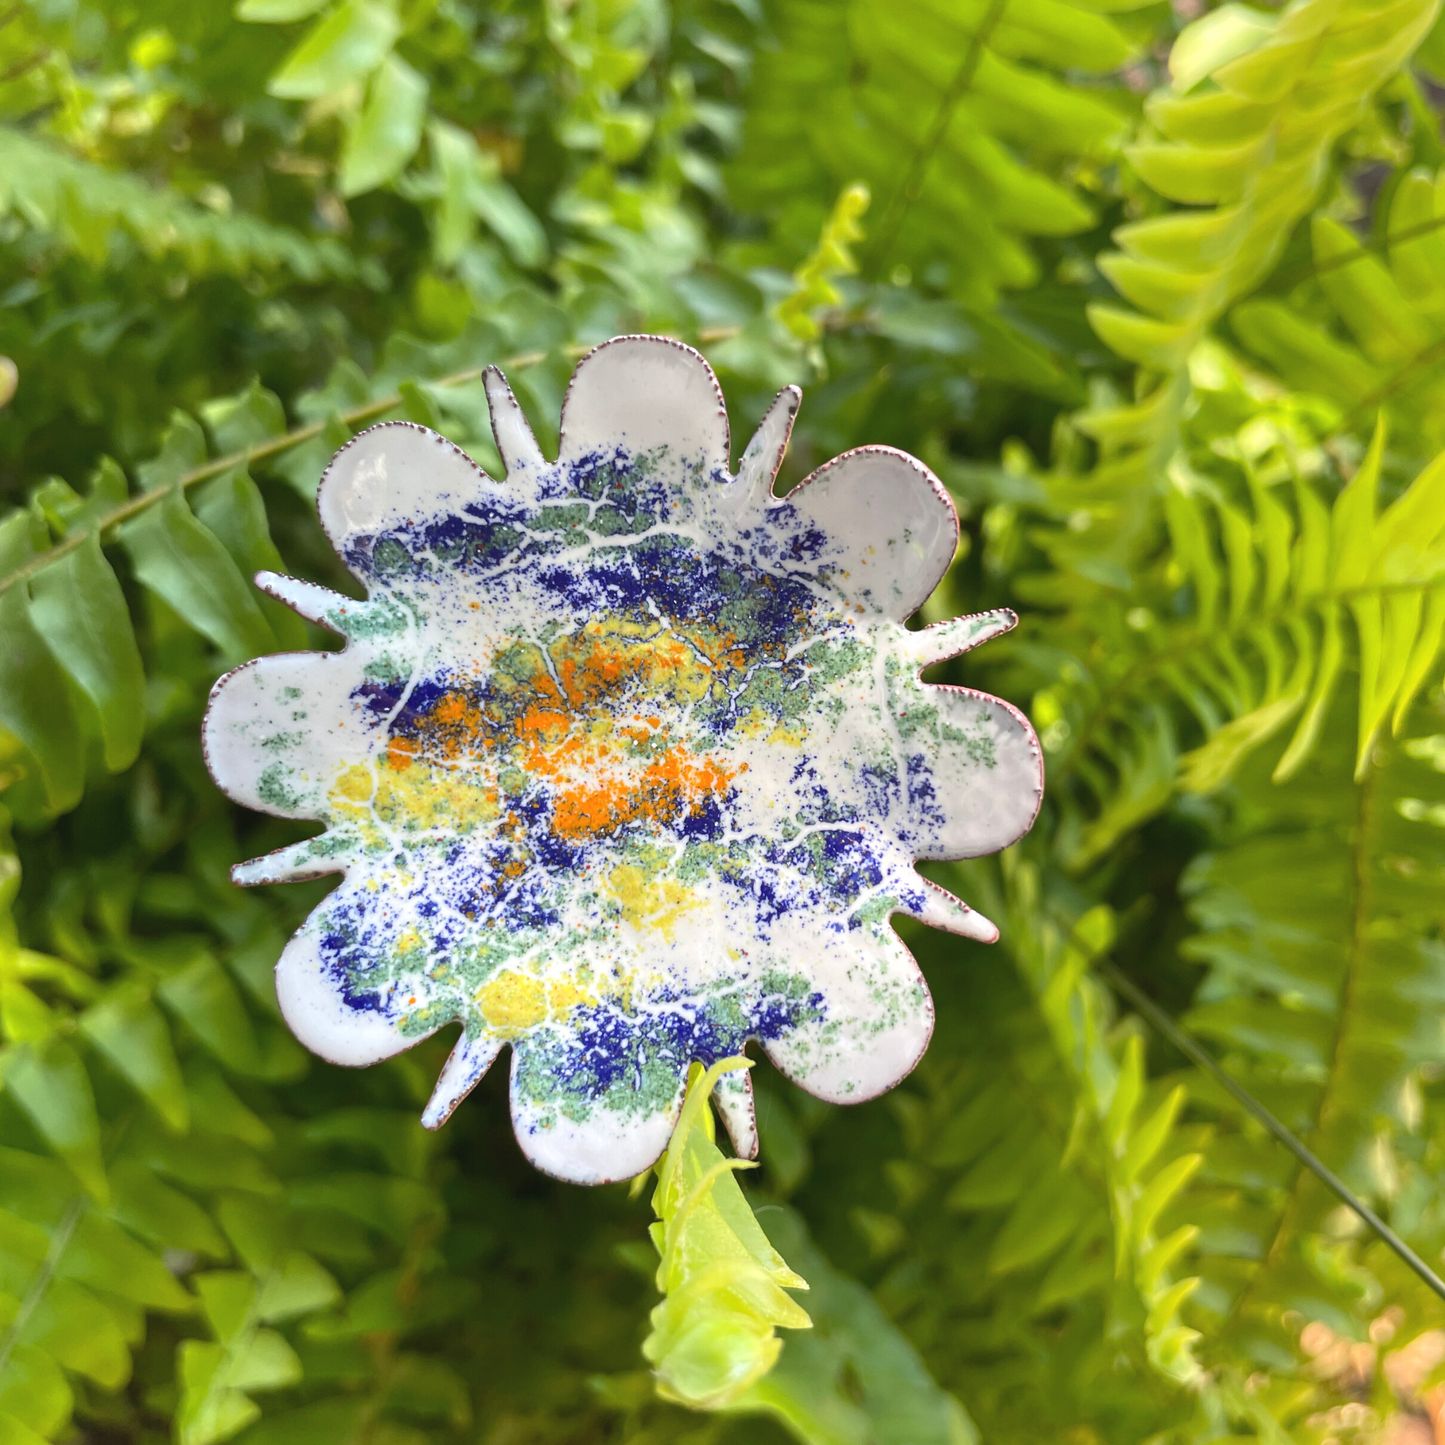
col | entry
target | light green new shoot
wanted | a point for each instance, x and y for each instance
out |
(715, 1332)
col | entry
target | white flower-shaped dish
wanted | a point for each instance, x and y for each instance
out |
(626, 761)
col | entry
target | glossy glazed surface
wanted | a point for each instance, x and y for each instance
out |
(626, 762)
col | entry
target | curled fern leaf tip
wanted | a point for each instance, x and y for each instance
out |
(715, 1333)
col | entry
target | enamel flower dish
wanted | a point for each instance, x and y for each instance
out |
(626, 761)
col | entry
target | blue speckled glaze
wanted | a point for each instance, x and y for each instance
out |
(625, 763)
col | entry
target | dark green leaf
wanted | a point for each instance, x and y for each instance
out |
(188, 567)
(79, 609)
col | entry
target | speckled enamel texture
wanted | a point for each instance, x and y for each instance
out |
(626, 762)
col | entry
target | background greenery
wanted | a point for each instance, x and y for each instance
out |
(1162, 302)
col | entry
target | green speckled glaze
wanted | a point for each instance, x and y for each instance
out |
(626, 762)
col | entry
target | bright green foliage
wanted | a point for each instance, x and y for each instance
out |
(87, 207)
(1389, 326)
(1161, 303)
(714, 1334)
(1250, 149)
(830, 258)
(1320, 980)
(935, 106)
(854, 1379)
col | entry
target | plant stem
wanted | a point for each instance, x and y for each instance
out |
(59, 1242)
(911, 186)
(213, 468)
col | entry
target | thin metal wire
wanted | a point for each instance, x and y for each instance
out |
(1375, 246)
(1144, 1005)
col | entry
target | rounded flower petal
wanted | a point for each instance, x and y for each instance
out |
(890, 529)
(626, 762)
(870, 1024)
(985, 774)
(332, 1010)
(642, 393)
(279, 730)
(603, 1146)
(384, 477)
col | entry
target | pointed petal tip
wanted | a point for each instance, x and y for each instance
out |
(310, 600)
(938, 908)
(764, 452)
(512, 432)
(467, 1063)
(786, 402)
(733, 1099)
(496, 385)
(258, 871)
(958, 635)
(292, 864)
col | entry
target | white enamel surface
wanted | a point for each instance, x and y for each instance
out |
(989, 815)
(733, 1096)
(260, 705)
(293, 864)
(940, 909)
(881, 1047)
(898, 527)
(598, 1151)
(640, 392)
(763, 455)
(625, 762)
(510, 429)
(392, 472)
(318, 1014)
(957, 635)
(310, 600)
(464, 1069)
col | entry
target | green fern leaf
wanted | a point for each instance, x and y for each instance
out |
(714, 1334)
(83, 205)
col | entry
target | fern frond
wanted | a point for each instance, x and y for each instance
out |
(1129, 1131)
(1270, 591)
(1390, 312)
(1266, 598)
(1242, 143)
(1308, 927)
(84, 205)
(855, 1375)
(715, 1333)
(959, 91)
(127, 1062)
(813, 287)
(1249, 150)
(1019, 1222)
